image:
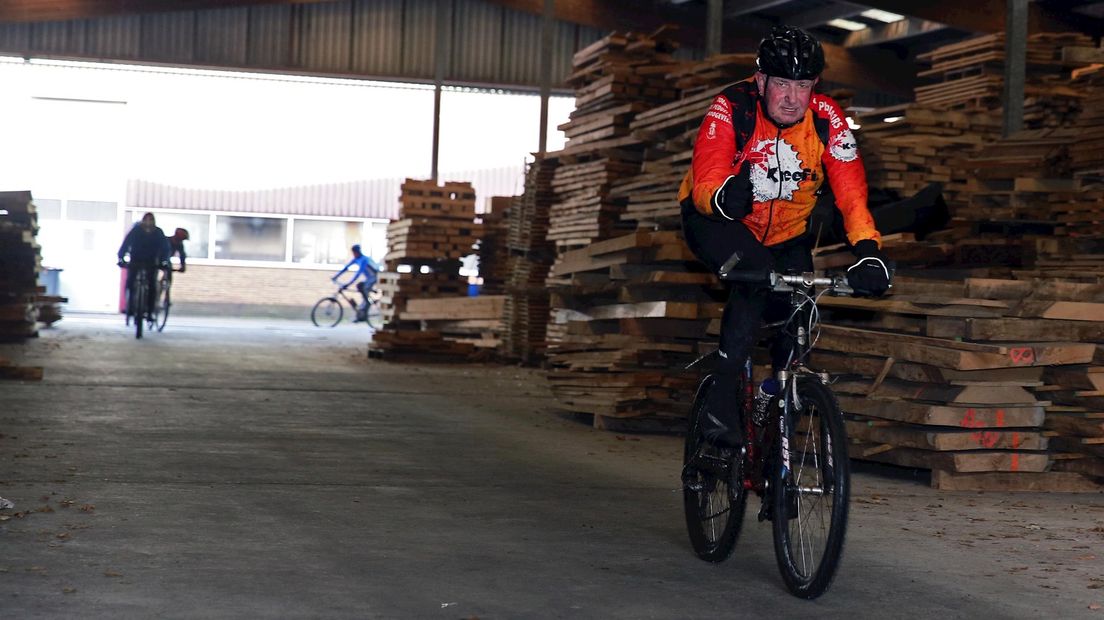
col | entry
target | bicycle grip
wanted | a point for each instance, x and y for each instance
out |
(749, 276)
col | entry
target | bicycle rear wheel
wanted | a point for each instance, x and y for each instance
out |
(713, 490)
(327, 312)
(163, 305)
(810, 500)
(373, 316)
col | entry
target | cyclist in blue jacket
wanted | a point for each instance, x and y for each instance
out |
(367, 268)
(148, 249)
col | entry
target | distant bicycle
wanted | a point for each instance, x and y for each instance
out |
(329, 310)
(138, 299)
(164, 301)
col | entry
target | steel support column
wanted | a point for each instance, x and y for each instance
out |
(441, 44)
(714, 24)
(1015, 65)
(545, 71)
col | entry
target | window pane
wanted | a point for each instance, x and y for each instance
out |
(48, 208)
(324, 242)
(250, 238)
(198, 227)
(90, 211)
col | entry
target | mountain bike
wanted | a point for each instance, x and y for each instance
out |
(793, 455)
(138, 298)
(327, 312)
(164, 299)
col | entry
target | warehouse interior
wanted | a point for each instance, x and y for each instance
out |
(510, 435)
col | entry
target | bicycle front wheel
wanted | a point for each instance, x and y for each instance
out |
(713, 490)
(163, 305)
(327, 312)
(810, 498)
(139, 307)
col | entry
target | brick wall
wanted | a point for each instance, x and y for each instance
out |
(250, 291)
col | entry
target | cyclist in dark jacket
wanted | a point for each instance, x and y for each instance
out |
(176, 247)
(148, 249)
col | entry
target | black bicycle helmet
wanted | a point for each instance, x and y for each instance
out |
(790, 53)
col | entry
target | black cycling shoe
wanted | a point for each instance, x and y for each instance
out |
(720, 434)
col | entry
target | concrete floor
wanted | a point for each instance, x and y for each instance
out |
(231, 468)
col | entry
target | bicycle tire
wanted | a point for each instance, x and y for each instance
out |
(140, 293)
(163, 305)
(714, 497)
(373, 316)
(814, 492)
(327, 312)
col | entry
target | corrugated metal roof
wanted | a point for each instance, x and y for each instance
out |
(396, 39)
(373, 198)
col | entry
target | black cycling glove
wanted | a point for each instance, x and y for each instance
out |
(733, 200)
(869, 276)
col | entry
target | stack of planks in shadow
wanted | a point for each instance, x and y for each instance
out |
(981, 380)
(447, 329)
(493, 253)
(530, 254)
(614, 78)
(23, 303)
(435, 230)
(636, 311)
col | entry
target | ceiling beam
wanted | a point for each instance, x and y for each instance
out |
(986, 15)
(904, 29)
(65, 10)
(736, 9)
(823, 15)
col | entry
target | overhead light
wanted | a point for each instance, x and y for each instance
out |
(891, 119)
(847, 24)
(882, 16)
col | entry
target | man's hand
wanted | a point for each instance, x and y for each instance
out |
(121, 263)
(869, 276)
(733, 200)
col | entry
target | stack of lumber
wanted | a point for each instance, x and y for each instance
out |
(493, 254)
(702, 78)
(987, 382)
(450, 329)
(530, 256)
(1087, 151)
(615, 78)
(921, 147)
(632, 314)
(20, 264)
(436, 228)
(971, 72)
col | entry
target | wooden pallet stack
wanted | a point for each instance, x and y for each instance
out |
(436, 228)
(633, 313)
(20, 264)
(1087, 151)
(530, 256)
(963, 377)
(448, 329)
(493, 254)
(615, 78)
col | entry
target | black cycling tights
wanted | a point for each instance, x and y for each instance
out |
(713, 241)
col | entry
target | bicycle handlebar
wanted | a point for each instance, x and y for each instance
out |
(781, 282)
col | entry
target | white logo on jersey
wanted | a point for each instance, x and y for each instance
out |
(712, 130)
(776, 174)
(842, 146)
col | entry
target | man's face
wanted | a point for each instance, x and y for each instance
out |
(786, 99)
(147, 222)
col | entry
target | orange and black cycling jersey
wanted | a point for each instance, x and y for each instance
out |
(787, 166)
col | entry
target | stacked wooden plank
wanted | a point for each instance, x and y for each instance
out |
(473, 320)
(615, 78)
(1087, 151)
(922, 145)
(632, 313)
(494, 266)
(20, 264)
(530, 256)
(970, 72)
(436, 228)
(962, 380)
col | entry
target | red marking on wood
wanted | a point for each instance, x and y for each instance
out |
(1000, 418)
(1022, 356)
(1015, 458)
